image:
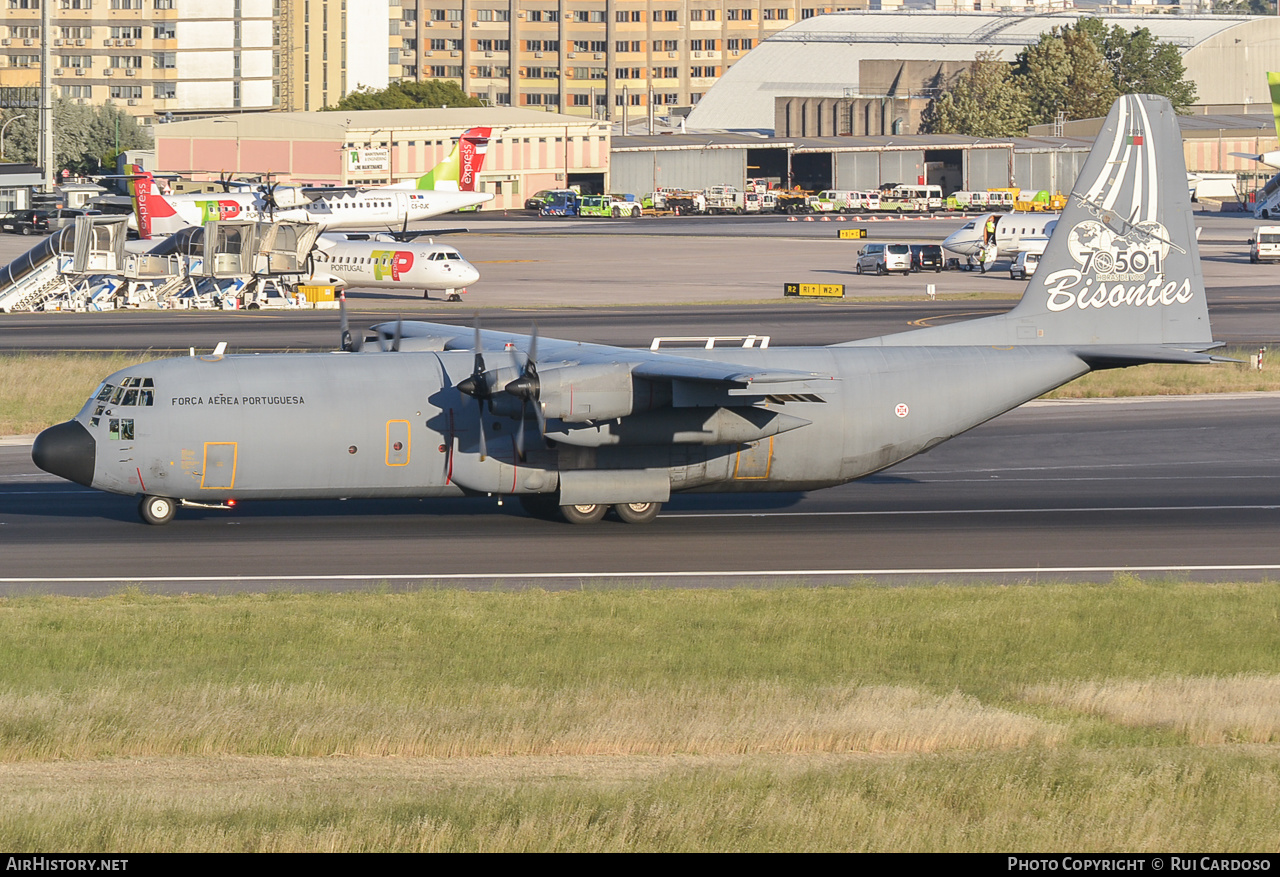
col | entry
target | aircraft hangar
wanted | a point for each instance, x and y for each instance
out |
(695, 161)
(863, 73)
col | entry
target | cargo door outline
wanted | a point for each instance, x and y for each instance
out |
(219, 466)
(398, 433)
(754, 460)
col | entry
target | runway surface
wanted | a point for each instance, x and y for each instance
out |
(1055, 491)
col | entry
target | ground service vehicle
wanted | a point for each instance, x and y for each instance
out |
(833, 201)
(536, 200)
(1024, 265)
(924, 197)
(65, 216)
(560, 202)
(926, 257)
(26, 222)
(1264, 246)
(686, 203)
(794, 201)
(884, 259)
(725, 199)
(761, 202)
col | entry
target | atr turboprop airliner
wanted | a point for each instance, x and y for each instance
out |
(382, 262)
(449, 186)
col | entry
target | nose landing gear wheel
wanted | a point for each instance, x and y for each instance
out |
(637, 512)
(583, 514)
(157, 510)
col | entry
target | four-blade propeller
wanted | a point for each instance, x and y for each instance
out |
(479, 385)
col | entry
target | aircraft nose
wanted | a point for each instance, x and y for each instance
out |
(66, 450)
(469, 274)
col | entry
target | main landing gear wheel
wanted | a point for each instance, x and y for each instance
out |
(637, 512)
(583, 514)
(157, 510)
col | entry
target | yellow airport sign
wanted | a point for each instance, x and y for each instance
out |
(826, 290)
(852, 234)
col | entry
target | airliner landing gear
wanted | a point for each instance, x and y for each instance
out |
(157, 510)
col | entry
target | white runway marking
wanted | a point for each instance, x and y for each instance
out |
(652, 575)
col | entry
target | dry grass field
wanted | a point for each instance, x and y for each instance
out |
(1132, 716)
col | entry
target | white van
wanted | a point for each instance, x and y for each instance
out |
(1026, 262)
(1264, 246)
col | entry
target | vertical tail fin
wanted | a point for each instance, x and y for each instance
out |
(152, 212)
(458, 171)
(141, 187)
(1121, 268)
(1273, 83)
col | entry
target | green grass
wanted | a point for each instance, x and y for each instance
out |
(1135, 715)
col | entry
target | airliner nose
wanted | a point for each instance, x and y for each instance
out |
(66, 450)
(468, 274)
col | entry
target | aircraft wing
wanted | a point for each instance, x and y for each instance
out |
(735, 379)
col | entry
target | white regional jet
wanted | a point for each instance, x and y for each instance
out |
(1014, 233)
(382, 262)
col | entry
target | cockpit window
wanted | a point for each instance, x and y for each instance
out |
(129, 392)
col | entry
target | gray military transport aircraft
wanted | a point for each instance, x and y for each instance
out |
(432, 410)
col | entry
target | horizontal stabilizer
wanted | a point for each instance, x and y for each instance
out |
(1138, 354)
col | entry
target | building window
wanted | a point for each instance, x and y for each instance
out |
(582, 100)
(126, 4)
(132, 62)
(735, 45)
(777, 15)
(77, 91)
(544, 15)
(164, 90)
(666, 72)
(703, 72)
(739, 14)
(666, 45)
(126, 92)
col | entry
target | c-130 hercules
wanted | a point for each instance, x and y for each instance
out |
(434, 410)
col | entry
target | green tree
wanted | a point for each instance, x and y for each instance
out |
(408, 95)
(985, 102)
(86, 139)
(1065, 72)
(1141, 64)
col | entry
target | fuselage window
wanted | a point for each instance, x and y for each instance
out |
(146, 397)
(130, 397)
(105, 393)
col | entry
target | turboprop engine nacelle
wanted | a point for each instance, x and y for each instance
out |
(581, 393)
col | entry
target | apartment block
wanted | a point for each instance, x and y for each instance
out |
(596, 58)
(154, 58)
(329, 48)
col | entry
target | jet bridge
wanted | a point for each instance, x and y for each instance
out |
(249, 264)
(76, 267)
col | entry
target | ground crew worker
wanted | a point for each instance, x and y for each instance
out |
(989, 231)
